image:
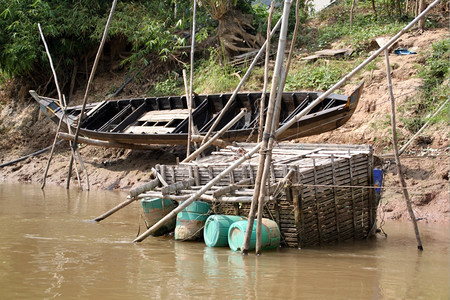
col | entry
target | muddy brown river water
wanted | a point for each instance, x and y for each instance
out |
(49, 248)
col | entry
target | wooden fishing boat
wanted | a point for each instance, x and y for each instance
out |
(164, 120)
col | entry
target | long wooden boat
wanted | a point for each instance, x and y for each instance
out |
(164, 120)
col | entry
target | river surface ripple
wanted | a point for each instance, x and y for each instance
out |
(50, 248)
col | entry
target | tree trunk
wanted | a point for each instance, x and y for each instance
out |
(422, 20)
(235, 33)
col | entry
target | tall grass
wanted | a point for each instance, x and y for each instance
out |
(213, 77)
(435, 90)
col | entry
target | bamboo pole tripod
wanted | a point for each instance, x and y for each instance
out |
(63, 105)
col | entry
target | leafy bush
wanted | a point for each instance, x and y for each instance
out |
(168, 87)
(66, 25)
(73, 29)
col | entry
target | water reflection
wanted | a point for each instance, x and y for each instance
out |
(49, 248)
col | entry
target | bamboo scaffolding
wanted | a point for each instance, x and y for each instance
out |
(265, 158)
(276, 117)
(255, 149)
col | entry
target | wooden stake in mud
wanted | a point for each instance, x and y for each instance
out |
(396, 154)
(91, 78)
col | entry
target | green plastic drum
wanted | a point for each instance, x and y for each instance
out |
(154, 210)
(270, 235)
(190, 221)
(216, 228)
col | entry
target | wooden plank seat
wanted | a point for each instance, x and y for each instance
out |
(164, 115)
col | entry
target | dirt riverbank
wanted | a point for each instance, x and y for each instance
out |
(23, 131)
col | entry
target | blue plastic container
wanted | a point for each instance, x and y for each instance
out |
(378, 179)
(154, 210)
(190, 221)
(216, 228)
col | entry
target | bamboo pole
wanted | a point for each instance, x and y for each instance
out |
(275, 123)
(397, 156)
(191, 79)
(354, 71)
(423, 127)
(91, 78)
(216, 136)
(188, 100)
(241, 83)
(134, 193)
(261, 175)
(28, 155)
(149, 186)
(217, 142)
(62, 104)
(262, 104)
(114, 209)
(107, 144)
(249, 154)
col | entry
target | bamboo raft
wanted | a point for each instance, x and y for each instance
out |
(323, 201)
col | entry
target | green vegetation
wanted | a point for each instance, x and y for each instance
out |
(335, 25)
(317, 76)
(213, 77)
(436, 75)
(170, 86)
(153, 32)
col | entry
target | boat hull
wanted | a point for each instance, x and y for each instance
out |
(164, 120)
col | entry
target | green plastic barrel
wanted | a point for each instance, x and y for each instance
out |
(270, 235)
(190, 221)
(154, 210)
(216, 228)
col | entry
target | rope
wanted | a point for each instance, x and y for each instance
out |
(364, 187)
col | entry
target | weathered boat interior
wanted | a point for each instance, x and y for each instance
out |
(143, 119)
